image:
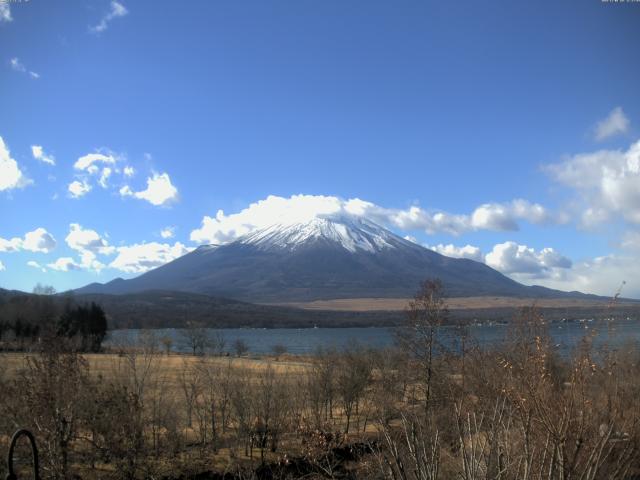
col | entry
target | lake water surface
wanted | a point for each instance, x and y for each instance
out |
(303, 341)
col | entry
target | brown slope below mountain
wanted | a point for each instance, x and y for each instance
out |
(455, 303)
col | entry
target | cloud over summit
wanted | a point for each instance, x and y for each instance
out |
(274, 209)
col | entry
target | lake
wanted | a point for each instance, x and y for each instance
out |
(565, 336)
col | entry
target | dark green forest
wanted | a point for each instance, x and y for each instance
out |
(27, 319)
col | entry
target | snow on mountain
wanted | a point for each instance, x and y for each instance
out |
(351, 233)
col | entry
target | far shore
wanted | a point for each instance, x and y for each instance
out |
(453, 303)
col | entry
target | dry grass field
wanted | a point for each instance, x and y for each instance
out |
(178, 395)
(106, 364)
(461, 303)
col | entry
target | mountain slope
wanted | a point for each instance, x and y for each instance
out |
(322, 258)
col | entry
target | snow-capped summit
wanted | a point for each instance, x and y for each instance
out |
(350, 232)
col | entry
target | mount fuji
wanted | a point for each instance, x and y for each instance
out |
(320, 258)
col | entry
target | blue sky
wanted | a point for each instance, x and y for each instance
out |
(502, 131)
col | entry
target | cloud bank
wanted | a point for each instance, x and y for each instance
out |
(224, 228)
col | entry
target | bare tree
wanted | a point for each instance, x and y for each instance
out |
(51, 387)
(189, 381)
(217, 342)
(320, 386)
(117, 426)
(41, 289)
(353, 376)
(242, 406)
(271, 402)
(167, 343)
(196, 338)
(425, 314)
(240, 347)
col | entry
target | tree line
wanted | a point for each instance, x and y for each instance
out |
(25, 320)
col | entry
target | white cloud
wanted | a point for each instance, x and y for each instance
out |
(64, 264)
(129, 171)
(87, 162)
(504, 217)
(489, 216)
(225, 228)
(77, 189)
(38, 240)
(511, 258)
(83, 240)
(2, 267)
(298, 208)
(93, 164)
(159, 191)
(615, 123)
(142, 257)
(117, 10)
(104, 177)
(18, 66)
(88, 261)
(88, 244)
(631, 241)
(601, 276)
(39, 154)
(168, 232)
(606, 182)
(12, 245)
(416, 218)
(494, 217)
(450, 250)
(10, 174)
(34, 264)
(5, 12)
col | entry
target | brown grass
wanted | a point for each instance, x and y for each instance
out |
(106, 363)
(454, 303)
